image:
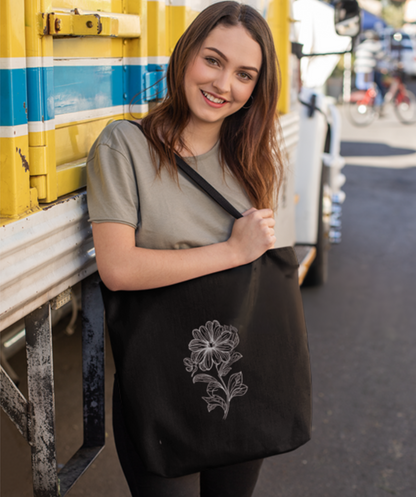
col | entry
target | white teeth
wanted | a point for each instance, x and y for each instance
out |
(212, 98)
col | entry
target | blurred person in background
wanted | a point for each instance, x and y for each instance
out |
(370, 66)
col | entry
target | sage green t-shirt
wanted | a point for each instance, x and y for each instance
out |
(123, 188)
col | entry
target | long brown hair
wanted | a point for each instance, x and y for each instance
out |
(248, 138)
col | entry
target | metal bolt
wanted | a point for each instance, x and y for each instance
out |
(125, 96)
(90, 24)
(57, 25)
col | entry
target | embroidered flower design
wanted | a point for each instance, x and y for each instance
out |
(214, 345)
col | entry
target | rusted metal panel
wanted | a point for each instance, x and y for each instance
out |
(13, 403)
(41, 416)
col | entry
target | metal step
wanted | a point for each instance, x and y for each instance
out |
(306, 255)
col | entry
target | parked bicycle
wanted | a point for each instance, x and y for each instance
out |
(362, 108)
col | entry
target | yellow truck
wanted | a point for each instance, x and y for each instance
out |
(67, 69)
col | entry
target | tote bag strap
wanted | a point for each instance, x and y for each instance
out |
(196, 178)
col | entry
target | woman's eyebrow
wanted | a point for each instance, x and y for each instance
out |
(247, 68)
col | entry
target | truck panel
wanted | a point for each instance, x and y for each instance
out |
(42, 255)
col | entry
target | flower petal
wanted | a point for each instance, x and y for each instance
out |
(219, 356)
(207, 363)
(209, 331)
(198, 357)
(196, 345)
(224, 346)
(217, 330)
(200, 333)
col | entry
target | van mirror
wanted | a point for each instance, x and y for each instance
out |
(347, 18)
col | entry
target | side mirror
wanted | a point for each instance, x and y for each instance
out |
(347, 18)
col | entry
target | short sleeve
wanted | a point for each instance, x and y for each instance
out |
(112, 191)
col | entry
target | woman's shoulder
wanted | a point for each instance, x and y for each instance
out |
(119, 137)
(120, 133)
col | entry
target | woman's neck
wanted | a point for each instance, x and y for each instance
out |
(201, 138)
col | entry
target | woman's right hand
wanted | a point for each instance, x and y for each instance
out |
(252, 235)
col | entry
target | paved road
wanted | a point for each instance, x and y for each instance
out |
(362, 329)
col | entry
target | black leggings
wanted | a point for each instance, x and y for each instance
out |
(238, 480)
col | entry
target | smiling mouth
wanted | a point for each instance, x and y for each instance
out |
(213, 99)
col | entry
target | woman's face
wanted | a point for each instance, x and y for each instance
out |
(222, 76)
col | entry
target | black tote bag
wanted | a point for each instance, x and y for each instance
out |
(214, 371)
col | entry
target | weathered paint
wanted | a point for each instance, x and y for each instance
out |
(13, 403)
(15, 196)
(41, 419)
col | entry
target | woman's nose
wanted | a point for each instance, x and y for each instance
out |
(223, 82)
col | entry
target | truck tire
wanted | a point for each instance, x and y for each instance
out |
(318, 272)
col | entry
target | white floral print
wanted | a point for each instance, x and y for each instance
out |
(214, 345)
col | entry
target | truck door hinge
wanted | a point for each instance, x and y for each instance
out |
(83, 23)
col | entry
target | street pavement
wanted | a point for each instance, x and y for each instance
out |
(362, 334)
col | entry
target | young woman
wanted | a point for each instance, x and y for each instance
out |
(220, 116)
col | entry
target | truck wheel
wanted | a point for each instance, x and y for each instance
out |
(318, 272)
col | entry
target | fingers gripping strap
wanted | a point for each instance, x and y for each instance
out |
(196, 178)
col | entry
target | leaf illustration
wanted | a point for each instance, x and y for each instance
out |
(239, 391)
(204, 378)
(189, 365)
(224, 369)
(215, 401)
(235, 381)
(236, 356)
(213, 387)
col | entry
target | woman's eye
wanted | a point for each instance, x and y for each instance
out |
(244, 75)
(212, 61)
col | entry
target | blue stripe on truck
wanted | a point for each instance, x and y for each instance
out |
(81, 88)
(51, 91)
(13, 101)
(40, 93)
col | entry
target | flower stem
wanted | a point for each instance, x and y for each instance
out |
(227, 393)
